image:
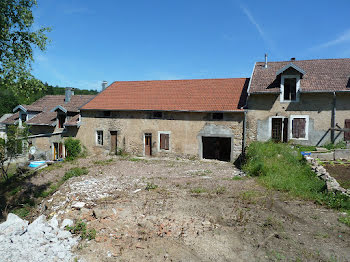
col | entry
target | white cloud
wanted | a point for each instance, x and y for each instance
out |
(253, 21)
(343, 38)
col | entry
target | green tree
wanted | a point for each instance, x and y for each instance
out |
(12, 146)
(18, 40)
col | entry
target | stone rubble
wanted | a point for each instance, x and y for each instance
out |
(331, 183)
(39, 241)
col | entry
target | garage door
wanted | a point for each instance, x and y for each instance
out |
(216, 148)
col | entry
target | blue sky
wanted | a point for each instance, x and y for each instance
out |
(116, 40)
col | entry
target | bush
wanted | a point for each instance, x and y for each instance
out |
(80, 229)
(73, 147)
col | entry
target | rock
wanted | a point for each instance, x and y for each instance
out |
(78, 205)
(40, 241)
(13, 226)
(67, 222)
(53, 222)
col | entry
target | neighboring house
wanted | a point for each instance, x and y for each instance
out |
(3, 126)
(306, 101)
(201, 118)
(50, 119)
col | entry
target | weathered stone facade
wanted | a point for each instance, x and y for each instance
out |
(184, 128)
(317, 106)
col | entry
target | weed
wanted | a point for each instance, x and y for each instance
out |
(80, 229)
(220, 190)
(51, 167)
(249, 196)
(15, 190)
(345, 219)
(236, 178)
(103, 162)
(340, 145)
(22, 212)
(151, 186)
(75, 172)
(198, 190)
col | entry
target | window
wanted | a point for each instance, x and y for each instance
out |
(23, 117)
(163, 140)
(61, 120)
(107, 113)
(290, 86)
(99, 137)
(157, 115)
(299, 127)
(347, 133)
(218, 116)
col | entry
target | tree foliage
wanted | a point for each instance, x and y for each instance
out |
(18, 40)
(12, 146)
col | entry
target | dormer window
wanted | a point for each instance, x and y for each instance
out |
(23, 117)
(61, 120)
(290, 85)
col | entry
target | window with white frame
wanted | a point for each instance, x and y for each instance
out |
(299, 127)
(290, 85)
(164, 140)
(99, 137)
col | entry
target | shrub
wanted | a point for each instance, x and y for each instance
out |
(74, 172)
(151, 186)
(73, 147)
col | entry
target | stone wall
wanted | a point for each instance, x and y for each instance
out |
(315, 105)
(185, 128)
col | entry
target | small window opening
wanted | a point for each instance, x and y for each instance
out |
(218, 116)
(157, 114)
(99, 135)
(23, 118)
(164, 141)
(107, 113)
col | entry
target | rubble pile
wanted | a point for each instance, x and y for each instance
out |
(39, 241)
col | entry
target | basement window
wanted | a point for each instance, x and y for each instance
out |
(218, 116)
(99, 137)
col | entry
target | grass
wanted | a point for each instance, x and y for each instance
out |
(103, 162)
(51, 167)
(340, 145)
(278, 166)
(80, 228)
(198, 190)
(73, 172)
(345, 219)
(151, 186)
(220, 190)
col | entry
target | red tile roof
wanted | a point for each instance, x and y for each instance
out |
(320, 75)
(173, 95)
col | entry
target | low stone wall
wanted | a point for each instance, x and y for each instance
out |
(331, 182)
(343, 154)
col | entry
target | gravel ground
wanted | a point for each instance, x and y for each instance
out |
(182, 210)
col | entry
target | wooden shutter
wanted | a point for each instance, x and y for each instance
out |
(164, 141)
(347, 133)
(298, 128)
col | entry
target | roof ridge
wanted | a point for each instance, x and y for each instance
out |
(318, 59)
(169, 80)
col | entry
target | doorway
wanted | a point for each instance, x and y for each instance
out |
(217, 148)
(114, 142)
(57, 151)
(279, 129)
(148, 144)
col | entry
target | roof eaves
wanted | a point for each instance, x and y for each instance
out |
(292, 66)
(60, 108)
(251, 79)
(19, 107)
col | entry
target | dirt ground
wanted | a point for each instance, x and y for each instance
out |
(182, 210)
(341, 172)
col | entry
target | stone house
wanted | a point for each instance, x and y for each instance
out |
(50, 119)
(196, 118)
(306, 102)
